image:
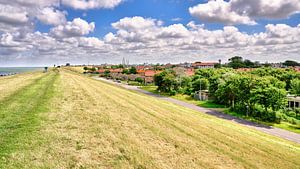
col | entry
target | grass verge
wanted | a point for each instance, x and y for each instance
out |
(20, 115)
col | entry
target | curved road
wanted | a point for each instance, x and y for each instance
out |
(266, 129)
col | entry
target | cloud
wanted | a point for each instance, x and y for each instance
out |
(180, 43)
(91, 4)
(176, 19)
(31, 3)
(244, 11)
(143, 36)
(174, 31)
(51, 16)
(219, 11)
(20, 15)
(7, 40)
(135, 23)
(12, 15)
(78, 27)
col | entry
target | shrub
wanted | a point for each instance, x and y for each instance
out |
(173, 92)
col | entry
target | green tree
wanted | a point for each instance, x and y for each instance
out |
(166, 82)
(200, 82)
(236, 62)
(269, 93)
(291, 63)
(93, 69)
(125, 71)
(295, 87)
(106, 73)
(249, 63)
(227, 90)
(139, 79)
(132, 70)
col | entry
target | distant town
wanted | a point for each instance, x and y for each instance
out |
(146, 72)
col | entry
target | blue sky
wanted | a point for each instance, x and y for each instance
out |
(105, 31)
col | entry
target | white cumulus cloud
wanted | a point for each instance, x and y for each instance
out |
(78, 27)
(244, 11)
(51, 16)
(91, 4)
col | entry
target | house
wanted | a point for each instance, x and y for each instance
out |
(168, 66)
(293, 102)
(204, 65)
(140, 72)
(116, 70)
(185, 65)
(140, 67)
(190, 71)
(101, 72)
(297, 69)
(149, 75)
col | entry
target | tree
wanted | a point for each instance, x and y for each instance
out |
(166, 82)
(200, 82)
(132, 70)
(120, 66)
(139, 79)
(85, 68)
(249, 64)
(236, 62)
(227, 90)
(295, 87)
(269, 92)
(106, 73)
(291, 63)
(93, 69)
(218, 65)
(125, 71)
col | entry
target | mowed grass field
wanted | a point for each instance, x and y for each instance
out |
(66, 120)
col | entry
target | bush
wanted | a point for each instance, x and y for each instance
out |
(173, 92)
(291, 114)
(139, 79)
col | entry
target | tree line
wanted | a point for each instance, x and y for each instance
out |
(260, 93)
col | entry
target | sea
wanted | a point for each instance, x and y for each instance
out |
(6, 71)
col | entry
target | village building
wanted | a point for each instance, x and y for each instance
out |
(190, 71)
(204, 65)
(293, 102)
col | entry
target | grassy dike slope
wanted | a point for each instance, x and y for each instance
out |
(72, 121)
(10, 84)
(20, 114)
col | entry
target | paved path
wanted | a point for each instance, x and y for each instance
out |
(266, 129)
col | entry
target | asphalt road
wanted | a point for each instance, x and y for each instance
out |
(266, 129)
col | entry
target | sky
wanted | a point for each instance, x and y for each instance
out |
(48, 32)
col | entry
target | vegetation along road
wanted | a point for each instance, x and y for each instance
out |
(66, 120)
(295, 137)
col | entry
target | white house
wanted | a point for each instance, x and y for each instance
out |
(293, 101)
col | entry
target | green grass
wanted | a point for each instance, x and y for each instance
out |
(20, 115)
(186, 98)
(282, 125)
(206, 104)
(288, 126)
